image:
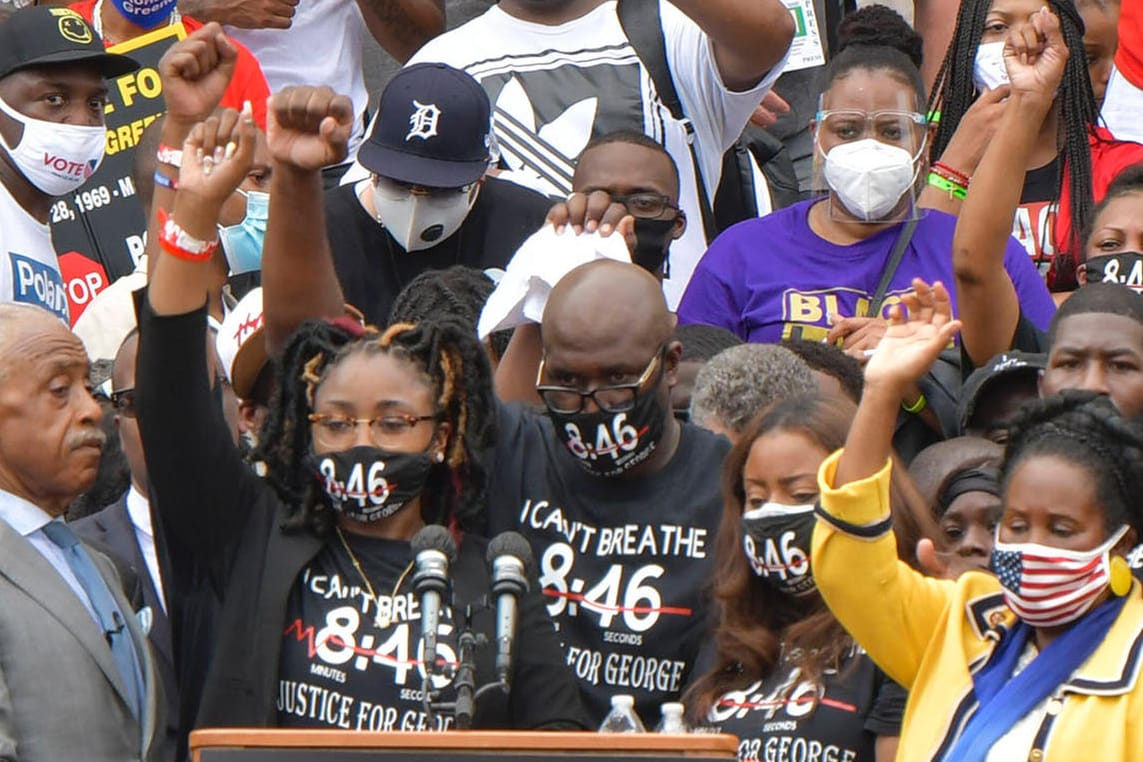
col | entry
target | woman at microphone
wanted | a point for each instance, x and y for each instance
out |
(372, 437)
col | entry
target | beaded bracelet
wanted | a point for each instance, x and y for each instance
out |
(950, 173)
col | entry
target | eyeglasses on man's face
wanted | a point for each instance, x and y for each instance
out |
(617, 398)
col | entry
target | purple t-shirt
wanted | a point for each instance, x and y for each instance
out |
(773, 279)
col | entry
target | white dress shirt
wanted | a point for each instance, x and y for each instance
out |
(139, 509)
(29, 521)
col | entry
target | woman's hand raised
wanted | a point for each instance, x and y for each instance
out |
(217, 156)
(1035, 55)
(919, 329)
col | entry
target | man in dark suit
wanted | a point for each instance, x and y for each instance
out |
(124, 530)
(78, 680)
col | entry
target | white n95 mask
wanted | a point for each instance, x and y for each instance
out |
(56, 158)
(869, 177)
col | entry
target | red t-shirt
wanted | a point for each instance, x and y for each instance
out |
(248, 83)
(1129, 56)
(1045, 229)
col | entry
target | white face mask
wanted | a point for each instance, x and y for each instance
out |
(56, 158)
(989, 71)
(869, 177)
(418, 221)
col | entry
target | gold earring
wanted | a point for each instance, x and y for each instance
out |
(1120, 576)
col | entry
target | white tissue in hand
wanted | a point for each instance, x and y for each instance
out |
(539, 264)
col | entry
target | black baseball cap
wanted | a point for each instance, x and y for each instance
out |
(45, 35)
(433, 129)
(1003, 365)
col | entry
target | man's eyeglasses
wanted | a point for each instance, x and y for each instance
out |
(646, 205)
(610, 399)
(124, 402)
(340, 431)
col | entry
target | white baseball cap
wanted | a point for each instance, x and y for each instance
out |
(241, 345)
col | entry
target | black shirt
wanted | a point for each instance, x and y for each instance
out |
(624, 562)
(354, 663)
(373, 268)
(783, 718)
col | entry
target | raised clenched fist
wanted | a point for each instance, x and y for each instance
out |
(309, 127)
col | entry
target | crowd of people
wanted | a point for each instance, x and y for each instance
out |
(771, 357)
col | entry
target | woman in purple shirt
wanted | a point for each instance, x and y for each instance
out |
(813, 270)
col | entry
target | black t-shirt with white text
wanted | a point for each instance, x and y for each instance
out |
(338, 669)
(783, 718)
(373, 268)
(341, 668)
(1035, 222)
(624, 563)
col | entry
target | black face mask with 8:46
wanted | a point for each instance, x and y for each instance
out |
(610, 444)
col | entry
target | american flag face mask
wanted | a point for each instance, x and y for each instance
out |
(1049, 587)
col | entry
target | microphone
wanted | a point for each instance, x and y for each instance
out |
(510, 560)
(120, 625)
(433, 551)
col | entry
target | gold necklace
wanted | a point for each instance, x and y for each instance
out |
(382, 619)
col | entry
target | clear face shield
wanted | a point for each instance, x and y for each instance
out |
(871, 161)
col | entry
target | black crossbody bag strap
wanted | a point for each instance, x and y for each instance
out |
(891, 266)
(643, 26)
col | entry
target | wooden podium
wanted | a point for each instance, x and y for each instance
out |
(271, 745)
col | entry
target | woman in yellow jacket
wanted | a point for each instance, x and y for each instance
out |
(1042, 661)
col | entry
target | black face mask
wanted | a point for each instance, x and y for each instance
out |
(610, 444)
(652, 243)
(367, 483)
(1124, 268)
(776, 539)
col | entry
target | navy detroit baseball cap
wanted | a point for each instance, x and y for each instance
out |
(433, 129)
(45, 35)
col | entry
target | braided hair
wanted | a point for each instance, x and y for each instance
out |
(459, 291)
(446, 351)
(954, 92)
(1086, 429)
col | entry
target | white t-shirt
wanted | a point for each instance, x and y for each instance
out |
(555, 88)
(29, 268)
(321, 47)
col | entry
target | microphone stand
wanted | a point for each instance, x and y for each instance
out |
(464, 707)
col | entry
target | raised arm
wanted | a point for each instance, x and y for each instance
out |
(890, 609)
(308, 128)
(967, 146)
(987, 302)
(749, 36)
(202, 490)
(195, 73)
(248, 14)
(401, 27)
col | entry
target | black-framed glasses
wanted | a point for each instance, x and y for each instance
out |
(124, 402)
(340, 431)
(645, 204)
(610, 399)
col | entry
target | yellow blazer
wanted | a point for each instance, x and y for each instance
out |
(931, 636)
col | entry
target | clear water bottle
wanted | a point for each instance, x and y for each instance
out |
(622, 717)
(672, 719)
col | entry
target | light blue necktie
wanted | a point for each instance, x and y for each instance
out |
(111, 619)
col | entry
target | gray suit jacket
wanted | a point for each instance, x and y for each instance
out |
(61, 696)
